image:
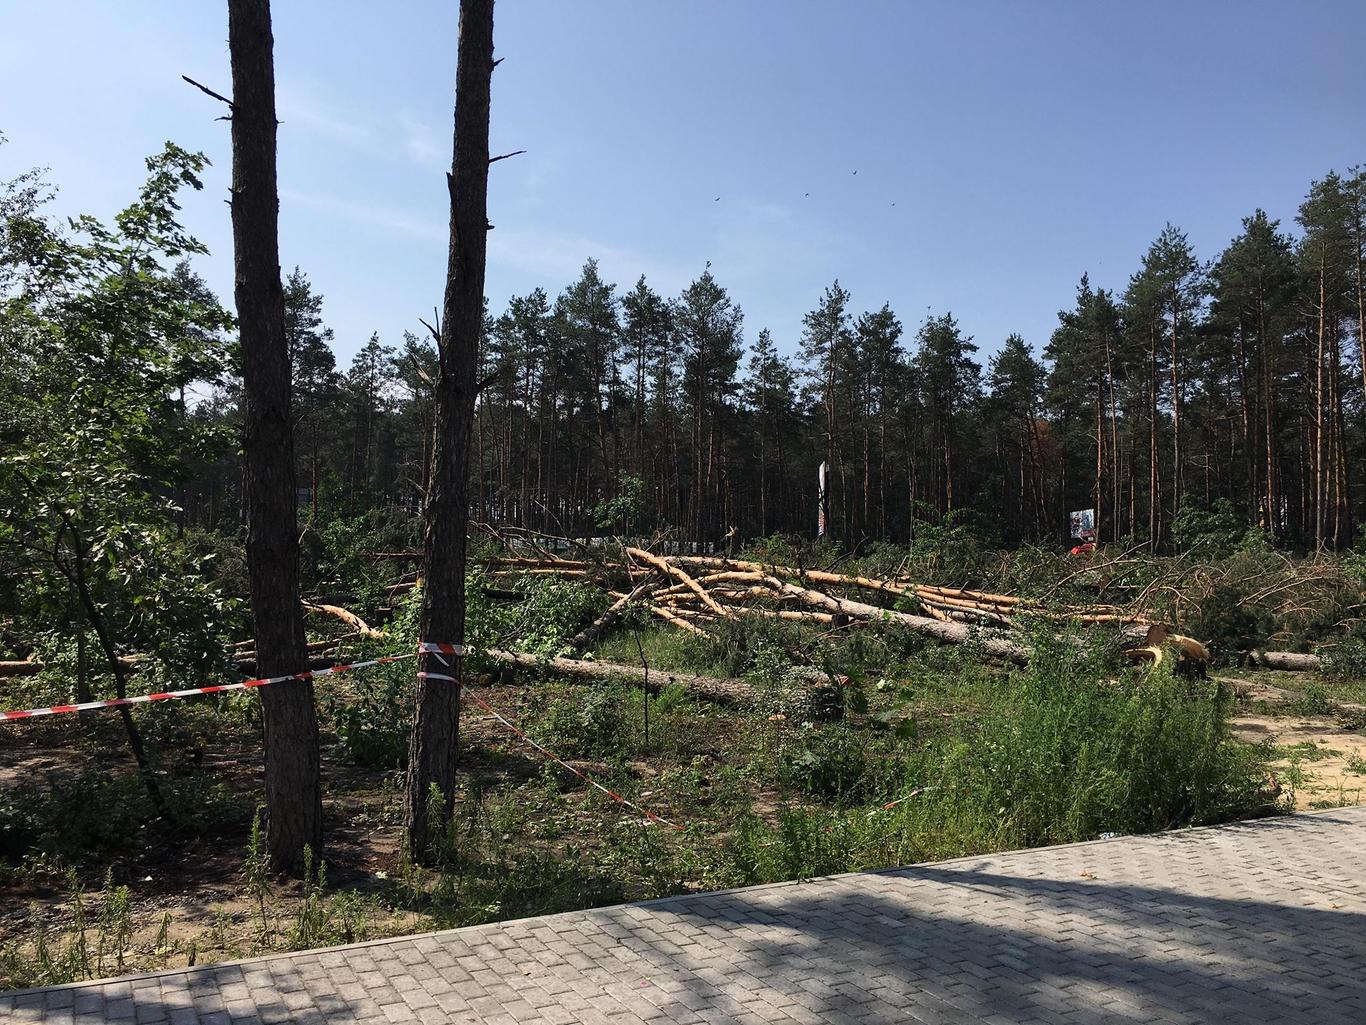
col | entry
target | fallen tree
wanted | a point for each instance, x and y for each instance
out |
(1290, 661)
(729, 691)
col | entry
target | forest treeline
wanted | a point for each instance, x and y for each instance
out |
(606, 407)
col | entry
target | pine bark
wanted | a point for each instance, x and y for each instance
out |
(293, 794)
(436, 722)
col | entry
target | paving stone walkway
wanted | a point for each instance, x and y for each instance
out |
(1256, 922)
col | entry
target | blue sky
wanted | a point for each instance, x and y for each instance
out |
(1021, 143)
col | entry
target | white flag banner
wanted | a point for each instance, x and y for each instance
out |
(823, 503)
(1083, 523)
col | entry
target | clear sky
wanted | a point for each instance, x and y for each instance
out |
(1001, 149)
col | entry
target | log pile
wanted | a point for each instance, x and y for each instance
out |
(694, 593)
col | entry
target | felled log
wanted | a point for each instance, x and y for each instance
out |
(997, 605)
(513, 561)
(949, 633)
(1291, 661)
(728, 691)
(346, 616)
(247, 657)
(682, 575)
(672, 617)
(25, 667)
(32, 667)
(538, 571)
(593, 630)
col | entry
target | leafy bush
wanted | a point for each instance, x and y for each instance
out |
(1063, 753)
(1314, 700)
(830, 762)
(334, 554)
(554, 610)
(590, 722)
(1347, 658)
(98, 814)
(374, 716)
(1077, 756)
(950, 549)
(1227, 621)
(1211, 533)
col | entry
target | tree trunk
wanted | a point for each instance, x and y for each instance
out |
(1178, 467)
(293, 796)
(1320, 441)
(436, 721)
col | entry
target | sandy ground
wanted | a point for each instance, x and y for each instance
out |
(1323, 752)
(1320, 744)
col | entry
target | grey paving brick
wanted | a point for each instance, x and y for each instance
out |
(1252, 923)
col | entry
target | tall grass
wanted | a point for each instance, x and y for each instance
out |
(1063, 753)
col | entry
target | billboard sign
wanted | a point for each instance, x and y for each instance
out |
(1082, 523)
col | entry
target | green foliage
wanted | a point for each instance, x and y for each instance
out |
(1346, 659)
(553, 611)
(96, 814)
(1059, 753)
(482, 875)
(256, 872)
(1212, 533)
(949, 549)
(1228, 622)
(1076, 756)
(625, 508)
(102, 338)
(830, 762)
(334, 554)
(1314, 700)
(373, 716)
(591, 722)
(46, 960)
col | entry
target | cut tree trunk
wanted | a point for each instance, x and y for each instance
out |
(436, 718)
(735, 692)
(1291, 661)
(949, 633)
(594, 630)
(293, 795)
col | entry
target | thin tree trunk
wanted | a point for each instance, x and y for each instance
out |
(436, 722)
(293, 795)
(1320, 442)
(1178, 469)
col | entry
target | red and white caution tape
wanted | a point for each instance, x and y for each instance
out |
(551, 756)
(424, 647)
(435, 648)
(892, 804)
(546, 753)
(219, 688)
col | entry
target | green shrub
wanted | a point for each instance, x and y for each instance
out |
(1314, 700)
(830, 762)
(950, 549)
(98, 814)
(374, 715)
(1212, 533)
(1228, 622)
(1062, 751)
(1347, 658)
(591, 722)
(1078, 758)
